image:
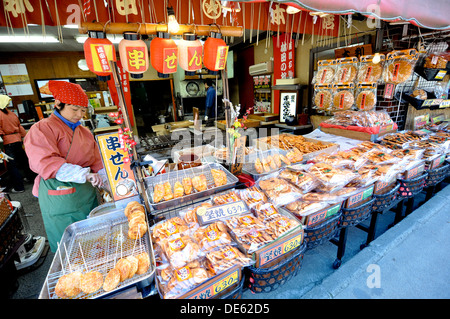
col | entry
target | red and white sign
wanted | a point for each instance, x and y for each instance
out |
(283, 62)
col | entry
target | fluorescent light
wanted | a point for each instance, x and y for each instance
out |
(114, 39)
(28, 39)
(70, 26)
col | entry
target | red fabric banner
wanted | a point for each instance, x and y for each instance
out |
(283, 63)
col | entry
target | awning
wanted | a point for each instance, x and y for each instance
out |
(431, 14)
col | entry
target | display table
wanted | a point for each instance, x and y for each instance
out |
(294, 129)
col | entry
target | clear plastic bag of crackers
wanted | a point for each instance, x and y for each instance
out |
(323, 97)
(343, 97)
(279, 191)
(370, 68)
(346, 70)
(326, 71)
(366, 95)
(399, 65)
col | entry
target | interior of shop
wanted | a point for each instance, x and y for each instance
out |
(323, 118)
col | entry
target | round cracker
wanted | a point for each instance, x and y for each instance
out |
(365, 101)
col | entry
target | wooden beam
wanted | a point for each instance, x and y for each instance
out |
(153, 28)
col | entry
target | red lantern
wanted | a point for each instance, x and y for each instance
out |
(133, 53)
(164, 55)
(215, 53)
(98, 51)
(191, 53)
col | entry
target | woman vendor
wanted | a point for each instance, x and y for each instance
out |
(67, 160)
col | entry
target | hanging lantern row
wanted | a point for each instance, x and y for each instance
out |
(165, 55)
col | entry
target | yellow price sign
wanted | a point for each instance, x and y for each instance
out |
(279, 250)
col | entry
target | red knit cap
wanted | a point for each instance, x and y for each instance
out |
(69, 93)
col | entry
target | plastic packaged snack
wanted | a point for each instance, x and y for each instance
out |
(227, 197)
(303, 180)
(332, 178)
(346, 70)
(376, 157)
(368, 70)
(252, 196)
(366, 95)
(399, 65)
(242, 224)
(180, 250)
(213, 235)
(437, 60)
(326, 70)
(166, 228)
(304, 208)
(343, 96)
(323, 97)
(173, 282)
(334, 160)
(279, 191)
(189, 214)
(222, 258)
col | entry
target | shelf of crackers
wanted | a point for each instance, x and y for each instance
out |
(338, 177)
(297, 145)
(434, 66)
(190, 252)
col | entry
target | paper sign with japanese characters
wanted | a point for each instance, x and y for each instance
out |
(120, 175)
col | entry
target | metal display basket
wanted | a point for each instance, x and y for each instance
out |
(437, 175)
(353, 216)
(321, 233)
(269, 279)
(249, 162)
(98, 243)
(174, 176)
(383, 201)
(411, 187)
(11, 229)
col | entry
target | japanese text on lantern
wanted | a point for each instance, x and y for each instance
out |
(222, 55)
(170, 60)
(135, 58)
(194, 58)
(101, 59)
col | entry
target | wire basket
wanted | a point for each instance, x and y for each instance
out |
(323, 232)
(411, 187)
(10, 234)
(269, 279)
(437, 175)
(353, 216)
(384, 201)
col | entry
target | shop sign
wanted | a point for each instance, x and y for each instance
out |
(356, 51)
(120, 175)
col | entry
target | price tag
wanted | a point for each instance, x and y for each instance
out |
(355, 199)
(444, 104)
(321, 215)
(217, 286)
(386, 128)
(210, 215)
(440, 75)
(389, 91)
(280, 249)
(431, 102)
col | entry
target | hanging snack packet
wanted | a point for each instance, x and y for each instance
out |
(323, 97)
(368, 70)
(326, 70)
(343, 96)
(366, 95)
(346, 70)
(400, 65)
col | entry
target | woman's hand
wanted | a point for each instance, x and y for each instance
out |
(94, 179)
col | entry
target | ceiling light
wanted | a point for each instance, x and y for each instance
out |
(172, 26)
(292, 10)
(376, 58)
(70, 26)
(28, 39)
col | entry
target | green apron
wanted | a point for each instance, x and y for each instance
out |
(62, 204)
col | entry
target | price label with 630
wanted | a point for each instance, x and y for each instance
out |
(215, 213)
(279, 250)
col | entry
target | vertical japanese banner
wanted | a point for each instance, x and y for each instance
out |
(124, 79)
(283, 63)
(120, 175)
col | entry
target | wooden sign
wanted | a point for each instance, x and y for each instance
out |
(356, 51)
